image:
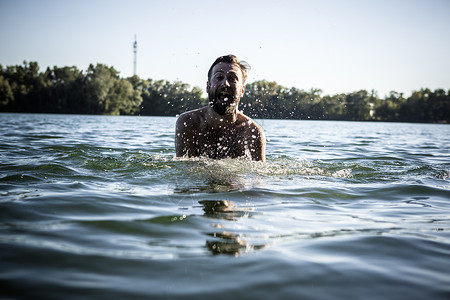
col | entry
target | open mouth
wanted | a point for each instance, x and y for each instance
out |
(223, 102)
(225, 97)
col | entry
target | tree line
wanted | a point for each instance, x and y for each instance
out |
(100, 90)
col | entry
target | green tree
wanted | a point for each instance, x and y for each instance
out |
(415, 108)
(64, 88)
(439, 106)
(164, 98)
(122, 99)
(264, 99)
(389, 108)
(312, 105)
(98, 82)
(25, 82)
(334, 107)
(6, 94)
(357, 104)
(23, 88)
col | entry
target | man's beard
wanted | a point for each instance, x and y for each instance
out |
(223, 107)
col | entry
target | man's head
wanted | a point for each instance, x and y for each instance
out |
(225, 86)
(231, 59)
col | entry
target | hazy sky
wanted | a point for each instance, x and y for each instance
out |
(339, 46)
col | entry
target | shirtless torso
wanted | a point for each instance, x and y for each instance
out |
(202, 132)
(220, 130)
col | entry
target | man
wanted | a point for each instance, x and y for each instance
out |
(220, 130)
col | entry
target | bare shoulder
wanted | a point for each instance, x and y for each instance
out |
(191, 118)
(255, 137)
(250, 124)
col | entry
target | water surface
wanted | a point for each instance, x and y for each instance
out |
(98, 207)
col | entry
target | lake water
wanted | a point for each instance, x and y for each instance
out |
(97, 207)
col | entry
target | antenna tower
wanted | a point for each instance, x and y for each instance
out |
(135, 54)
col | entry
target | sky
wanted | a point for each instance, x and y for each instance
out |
(338, 46)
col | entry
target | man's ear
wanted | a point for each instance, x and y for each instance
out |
(242, 91)
(207, 86)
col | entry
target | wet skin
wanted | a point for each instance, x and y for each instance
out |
(220, 130)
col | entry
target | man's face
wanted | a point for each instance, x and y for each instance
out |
(225, 88)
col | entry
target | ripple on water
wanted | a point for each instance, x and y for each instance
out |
(353, 210)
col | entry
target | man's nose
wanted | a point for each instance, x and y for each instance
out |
(226, 83)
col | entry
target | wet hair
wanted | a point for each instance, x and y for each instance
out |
(232, 59)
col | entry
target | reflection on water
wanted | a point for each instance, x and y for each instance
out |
(229, 244)
(223, 209)
(226, 242)
(362, 209)
(207, 187)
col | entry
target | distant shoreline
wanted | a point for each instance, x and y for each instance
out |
(100, 91)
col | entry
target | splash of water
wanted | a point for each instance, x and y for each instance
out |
(242, 172)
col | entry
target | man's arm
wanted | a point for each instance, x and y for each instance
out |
(184, 137)
(258, 150)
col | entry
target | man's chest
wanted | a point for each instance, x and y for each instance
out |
(221, 144)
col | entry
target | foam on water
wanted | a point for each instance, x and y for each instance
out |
(228, 169)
